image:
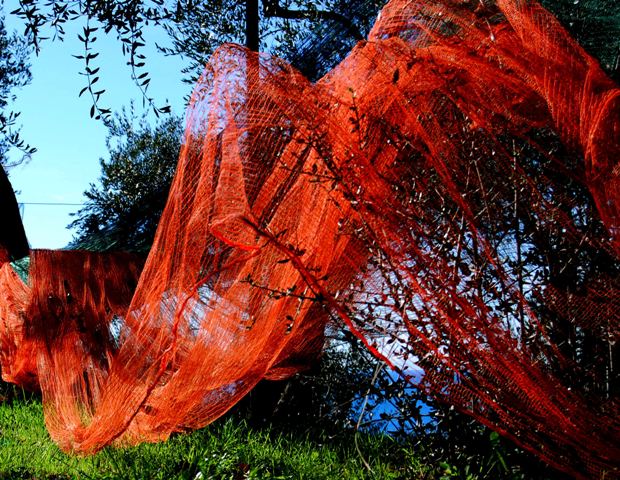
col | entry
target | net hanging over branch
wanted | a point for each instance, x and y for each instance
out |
(449, 193)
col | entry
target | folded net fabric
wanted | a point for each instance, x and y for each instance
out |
(449, 192)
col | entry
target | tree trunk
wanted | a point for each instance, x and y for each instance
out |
(252, 20)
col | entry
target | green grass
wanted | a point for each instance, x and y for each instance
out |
(228, 449)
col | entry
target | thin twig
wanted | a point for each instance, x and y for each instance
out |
(359, 420)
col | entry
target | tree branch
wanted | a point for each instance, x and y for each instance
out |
(272, 8)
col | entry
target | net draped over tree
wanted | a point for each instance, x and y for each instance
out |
(449, 193)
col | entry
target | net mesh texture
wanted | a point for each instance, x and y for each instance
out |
(449, 193)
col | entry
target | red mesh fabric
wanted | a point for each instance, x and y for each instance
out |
(63, 319)
(408, 195)
(17, 359)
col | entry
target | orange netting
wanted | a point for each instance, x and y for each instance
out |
(417, 194)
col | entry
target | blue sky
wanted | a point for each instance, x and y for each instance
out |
(58, 124)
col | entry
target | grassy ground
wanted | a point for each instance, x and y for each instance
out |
(228, 449)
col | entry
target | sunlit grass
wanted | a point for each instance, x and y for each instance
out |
(228, 449)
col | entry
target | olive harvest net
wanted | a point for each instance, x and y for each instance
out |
(450, 193)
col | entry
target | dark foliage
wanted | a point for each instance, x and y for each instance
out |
(313, 39)
(596, 25)
(195, 29)
(122, 212)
